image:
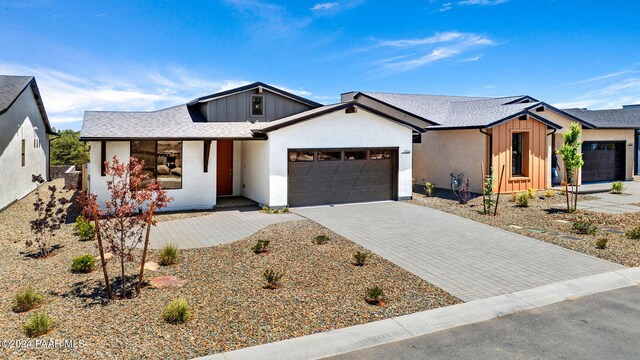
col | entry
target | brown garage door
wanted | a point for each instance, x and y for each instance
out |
(333, 176)
(603, 160)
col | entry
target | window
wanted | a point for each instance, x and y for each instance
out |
(380, 154)
(24, 152)
(519, 154)
(257, 108)
(329, 155)
(162, 161)
(355, 155)
(298, 156)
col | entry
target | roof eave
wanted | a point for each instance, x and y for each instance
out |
(252, 86)
(359, 93)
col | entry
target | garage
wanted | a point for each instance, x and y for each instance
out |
(336, 176)
(603, 160)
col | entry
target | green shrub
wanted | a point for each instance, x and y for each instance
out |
(584, 227)
(617, 187)
(361, 258)
(38, 324)
(633, 233)
(84, 229)
(522, 199)
(285, 210)
(549, 193)
(531, 192)
(177, 312)
(322, 239)
(374, 295)
(429, 188)
(260, 246)
(601, 243)
(275, 211)
(169, 255)
(266, 209)
(26, 300)
(273, 278)
(83, 264)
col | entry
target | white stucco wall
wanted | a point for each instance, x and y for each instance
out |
(16, 124)
(198, 188)
(337, 130)
(255, 170)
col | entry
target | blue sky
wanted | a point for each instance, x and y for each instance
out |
(146, 55)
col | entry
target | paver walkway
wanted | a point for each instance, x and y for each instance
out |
(610, 203)
(217, 228)
(468, 259)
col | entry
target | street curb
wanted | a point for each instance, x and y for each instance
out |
(340, 341)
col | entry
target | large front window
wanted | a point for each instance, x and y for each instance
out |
(519, 154)
(162, 161)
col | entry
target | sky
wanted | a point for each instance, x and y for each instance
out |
(148, 55)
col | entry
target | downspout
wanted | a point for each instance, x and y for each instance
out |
(490, 148)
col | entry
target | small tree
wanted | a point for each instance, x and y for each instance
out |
(50, 216)
(488, 199)
(572, 157)
(128, 213)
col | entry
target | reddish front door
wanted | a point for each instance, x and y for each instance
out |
(224, 170)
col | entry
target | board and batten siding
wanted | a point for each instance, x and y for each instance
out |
(537, 155)
(236, 107)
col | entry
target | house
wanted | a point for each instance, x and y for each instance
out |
(260, 142)
(24, 143)
(519, 133)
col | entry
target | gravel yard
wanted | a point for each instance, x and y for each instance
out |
(321, 290)
(545, 222)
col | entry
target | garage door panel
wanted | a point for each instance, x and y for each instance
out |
(603, 161)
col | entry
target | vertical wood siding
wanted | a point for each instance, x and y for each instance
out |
(534, 155)
(236, 107)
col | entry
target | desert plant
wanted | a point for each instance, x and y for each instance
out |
(531, 192)
(464, 194)
(38, 324)
(633, 233)
(83, 264)
(266, 209)
(285, 210)
(429, 188)
(572, 157)
(50, 215)
(322, 239)
(601, 243)
(273, 278)
(374, 295)
(549, 193)
(617, 187)
(522, 200)
(177, 312)
(84, 228)
(275, 211)
(584, 227)
(360, 257)
(260, 246)
(169, 255)
(26, 300)
(514, 197)
(487, 192)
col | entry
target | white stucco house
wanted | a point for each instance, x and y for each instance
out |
(262, 143)
(24, 143)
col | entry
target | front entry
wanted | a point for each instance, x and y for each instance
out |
(224, 168)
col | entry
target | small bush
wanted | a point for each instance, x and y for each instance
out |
(273, 278)
(169, 255)
(260, 246)
(285, 210)
(549, 193)
(633, 233)
(514, 197)
(84, 228)
(177, 312)
(584, 227)
(83, 264)
(38, 324)
(429, 188)
(522, 199)
(531, 192)
(322, 239)
(26, 300)
(266, 209)
(374, 295)
(275, 211)
(361, 258)
(617, 187)
(601, 244)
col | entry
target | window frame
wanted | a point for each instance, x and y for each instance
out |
(155, 168)
(262, 97)
(524, 155)
(23, 153)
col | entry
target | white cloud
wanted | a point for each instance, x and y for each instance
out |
(450, 5)
(324, 6)
(471, 59)
(266, 19)
(605, 92)
(335, 6)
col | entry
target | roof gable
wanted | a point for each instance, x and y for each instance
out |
(255, 86)
(11, 87)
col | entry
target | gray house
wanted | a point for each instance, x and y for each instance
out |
(24, 143)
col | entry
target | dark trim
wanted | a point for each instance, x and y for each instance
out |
(521, 113)
(356, 95)
(169, 138)
(564, 113)
(253, 86)
(490, 149)
(103, 157)
(207, 152)
(38, 99)
(331, 109)
(636, 137)
(523, 97)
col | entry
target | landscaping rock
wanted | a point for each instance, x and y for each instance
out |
(151, 266)
(165, 281)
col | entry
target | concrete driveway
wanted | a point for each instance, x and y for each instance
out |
(468, 259)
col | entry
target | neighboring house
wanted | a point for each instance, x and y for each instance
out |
(262, 143)
(517, 132)
(24, 144)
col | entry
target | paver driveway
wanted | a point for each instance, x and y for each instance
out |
(468, 259)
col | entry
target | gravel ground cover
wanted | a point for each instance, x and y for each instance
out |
(321, 290)
(542, 221)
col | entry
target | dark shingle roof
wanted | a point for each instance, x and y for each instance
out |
(12, 86)
(254, 86)
(612, 118)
